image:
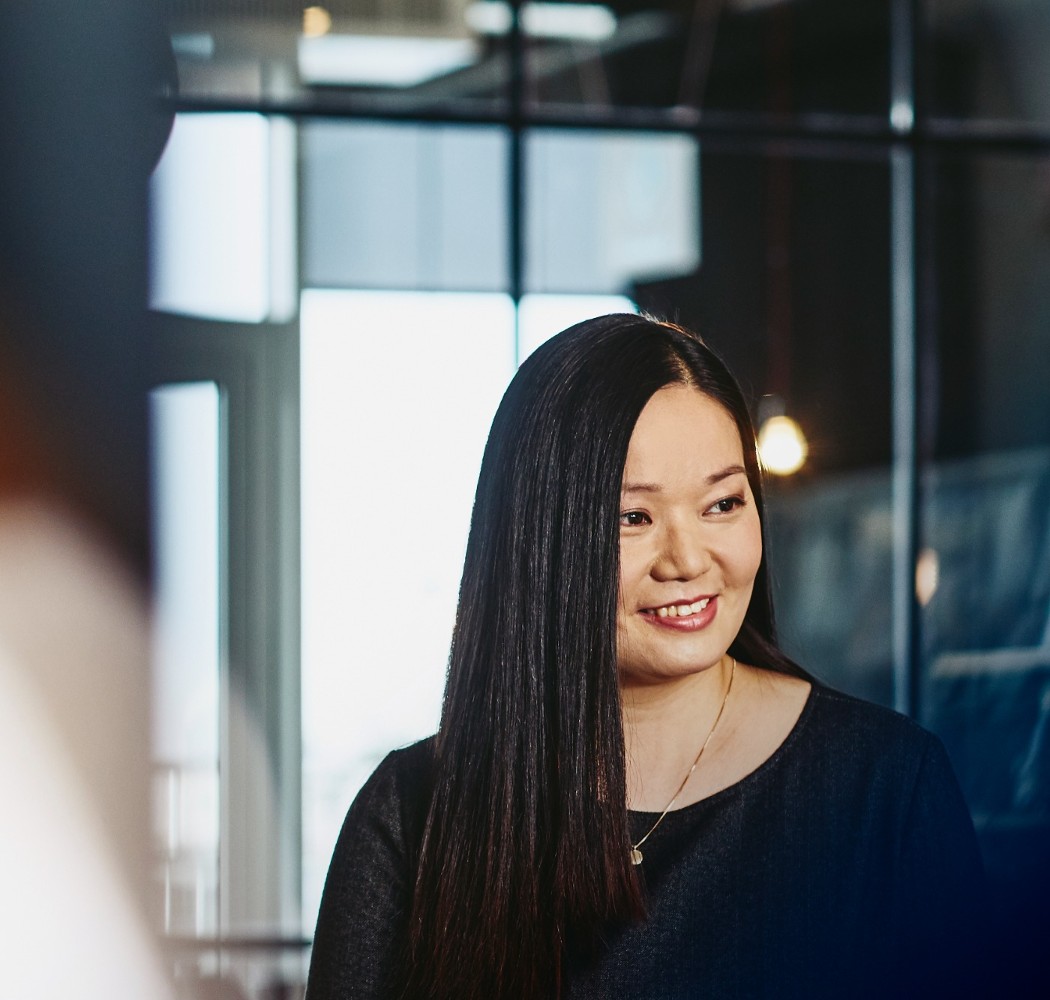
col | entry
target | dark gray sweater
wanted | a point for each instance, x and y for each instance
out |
(844, 866)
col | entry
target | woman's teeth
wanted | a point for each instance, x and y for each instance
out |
(681, 610)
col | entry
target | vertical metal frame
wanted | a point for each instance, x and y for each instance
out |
(262, 812)
(516, 230)
(257, 370)
(904, 493)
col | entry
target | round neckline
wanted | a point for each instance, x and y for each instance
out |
(771, 761)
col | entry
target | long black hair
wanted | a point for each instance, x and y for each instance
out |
(525, 849)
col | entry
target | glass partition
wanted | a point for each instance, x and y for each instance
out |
(985, 516)
(985, 60)
(392, 57)
(772, 61)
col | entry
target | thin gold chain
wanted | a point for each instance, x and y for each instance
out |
(636, 855)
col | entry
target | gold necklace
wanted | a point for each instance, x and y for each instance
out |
(636, 855)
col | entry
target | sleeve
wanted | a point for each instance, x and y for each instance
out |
(942, 906)
(363, 916)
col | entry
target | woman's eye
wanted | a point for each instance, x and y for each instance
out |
(726, 505)
(633, 519)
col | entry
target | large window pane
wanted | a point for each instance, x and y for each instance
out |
(605, 210)
(987, 59)
(404, 206)
(398, 391)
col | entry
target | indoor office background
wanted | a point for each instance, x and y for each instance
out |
(369, 213)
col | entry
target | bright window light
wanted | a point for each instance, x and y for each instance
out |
(381, 61)
(398, 392)
(222, 209)
(186, 652)
(540, 317)
(578, 22)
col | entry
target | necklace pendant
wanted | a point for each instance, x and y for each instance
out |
(636, 856)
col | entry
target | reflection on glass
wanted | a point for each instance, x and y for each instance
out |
(760, 57)
(186, 664)
(385, 55)
(754, 56)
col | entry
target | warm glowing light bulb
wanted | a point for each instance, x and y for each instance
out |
(316, 22)
(782, 445)
(927, 575)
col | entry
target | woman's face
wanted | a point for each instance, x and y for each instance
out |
(690, 540)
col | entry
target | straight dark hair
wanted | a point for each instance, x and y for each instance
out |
(525, 850)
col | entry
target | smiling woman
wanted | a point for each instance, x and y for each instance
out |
(690, 549)
(689, 519)
(614, 681)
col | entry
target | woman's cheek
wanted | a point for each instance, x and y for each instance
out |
(750, 551)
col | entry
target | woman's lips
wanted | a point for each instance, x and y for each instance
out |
(688, 616)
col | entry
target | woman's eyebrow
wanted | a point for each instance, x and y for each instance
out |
(729, 470)
(641, 488)
(715, 477)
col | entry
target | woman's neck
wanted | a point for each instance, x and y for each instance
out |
(665, 724)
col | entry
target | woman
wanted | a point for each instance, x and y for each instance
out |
(633, 792)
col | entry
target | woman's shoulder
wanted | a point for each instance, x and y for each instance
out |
(391, 805)
(851, 731)
(855, 718)
(402, 777)
(867, 767)
(410, 761)
(370, 878)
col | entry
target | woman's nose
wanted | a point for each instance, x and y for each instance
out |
(683, 555)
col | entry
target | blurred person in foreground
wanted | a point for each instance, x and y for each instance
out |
(78, 85)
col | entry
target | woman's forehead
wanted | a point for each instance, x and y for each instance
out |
(682, 431)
